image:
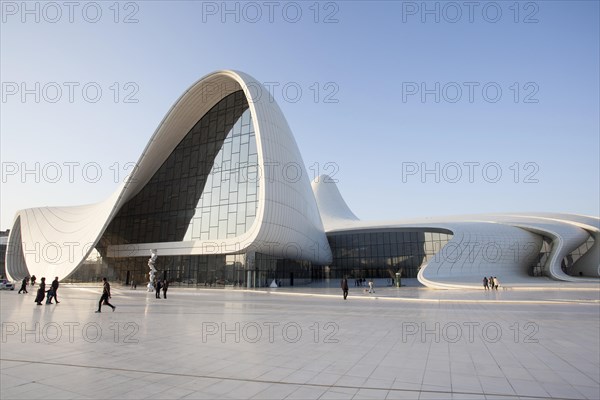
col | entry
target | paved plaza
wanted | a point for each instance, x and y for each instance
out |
(303, 343)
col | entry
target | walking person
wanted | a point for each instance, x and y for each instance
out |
(495, 283)
(371, 290)
(33, 278)
(41, 293)
(105, 296)
(24, 285)
(165, 287)
(485, 283)
(344, 285)
(55, 289)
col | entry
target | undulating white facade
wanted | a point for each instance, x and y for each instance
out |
(285, 219)
(503, 245)
(54, 241)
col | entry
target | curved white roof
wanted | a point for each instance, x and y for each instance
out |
(54, 241)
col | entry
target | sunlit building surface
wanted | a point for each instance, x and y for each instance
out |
(222, 195)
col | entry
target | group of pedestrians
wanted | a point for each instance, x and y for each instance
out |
(357, 282)
(25, 282)
(164, 285)
(158, 285)
(51, 293)
(360, 282)
(41, 292)
(490, 283)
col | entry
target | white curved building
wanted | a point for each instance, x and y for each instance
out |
(222, 194)
(458, 251)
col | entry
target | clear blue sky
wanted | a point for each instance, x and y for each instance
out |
(372, 58)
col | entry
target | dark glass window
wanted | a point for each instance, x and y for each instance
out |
(188, 197)
(382, 254)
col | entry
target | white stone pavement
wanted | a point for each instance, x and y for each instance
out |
(302, 343)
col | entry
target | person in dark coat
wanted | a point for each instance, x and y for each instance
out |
(105, 296)
(33, 278)
(24, 285)
(165, 287)
(158, 286)
(344, 285)
(41, 293)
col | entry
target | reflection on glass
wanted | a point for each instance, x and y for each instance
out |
(186, 197)
(382, 254)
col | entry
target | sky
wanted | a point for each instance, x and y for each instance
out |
(417, 109)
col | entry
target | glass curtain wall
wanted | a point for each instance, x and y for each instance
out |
(206, 189)
(382, 254)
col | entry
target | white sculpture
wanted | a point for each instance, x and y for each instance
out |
(151, 262)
